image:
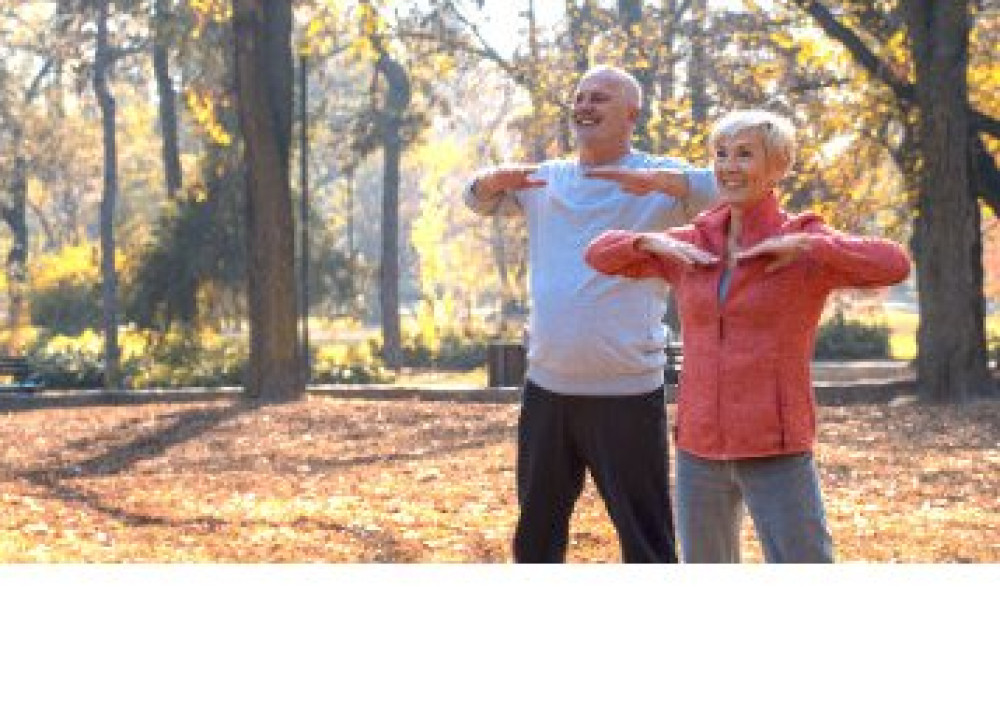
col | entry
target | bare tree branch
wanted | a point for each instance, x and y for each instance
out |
(987, 177)
(986, 123)
(871, 62)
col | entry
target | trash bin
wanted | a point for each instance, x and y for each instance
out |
(506, 364)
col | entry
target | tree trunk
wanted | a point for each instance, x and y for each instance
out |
(946, 242)
(537, 136)
(167, 98)
(667, 60)
(109, 280)
(397, 100)
(697, 67)
(14, 213)
(264, 78)
(499, 244)
(581, 32)
(638, 63)
(952, 360)
(304, 252)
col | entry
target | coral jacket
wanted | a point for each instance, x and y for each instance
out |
(746, 384)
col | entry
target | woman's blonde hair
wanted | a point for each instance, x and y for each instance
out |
(777, 131)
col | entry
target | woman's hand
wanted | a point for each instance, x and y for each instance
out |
(784, 248)
(666, 247)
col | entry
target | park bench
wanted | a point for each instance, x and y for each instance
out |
(674, 351)
(506, 363)
(20, 373)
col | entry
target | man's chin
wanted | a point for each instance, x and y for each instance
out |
(591, 135)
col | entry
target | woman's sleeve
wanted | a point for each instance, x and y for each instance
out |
(856, 261)
(615, 253)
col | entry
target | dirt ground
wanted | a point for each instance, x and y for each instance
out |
(352, 481)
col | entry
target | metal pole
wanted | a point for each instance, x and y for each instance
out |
(304, 213)
(350, 213)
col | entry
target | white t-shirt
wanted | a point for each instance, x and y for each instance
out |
(590, 333)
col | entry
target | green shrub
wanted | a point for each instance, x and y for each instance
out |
(352, 363)
(68, 369)
(452, 352)
(184, 357)
(192, 360)
(177, 359)
(68, 307)
(65, 291)
(841, 338)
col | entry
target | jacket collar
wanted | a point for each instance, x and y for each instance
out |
(762, 219)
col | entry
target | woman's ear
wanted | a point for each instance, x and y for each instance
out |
(777, 171)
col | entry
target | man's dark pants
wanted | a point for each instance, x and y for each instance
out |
(623, 440)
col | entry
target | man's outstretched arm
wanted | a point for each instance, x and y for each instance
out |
(491, 190)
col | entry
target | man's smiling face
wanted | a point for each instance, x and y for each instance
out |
(604, 112)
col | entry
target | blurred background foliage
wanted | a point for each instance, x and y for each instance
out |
(490, 82)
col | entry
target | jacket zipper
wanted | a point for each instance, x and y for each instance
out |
(722, 334)
(781, 411)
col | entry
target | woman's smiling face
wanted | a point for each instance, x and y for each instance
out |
(742, 168)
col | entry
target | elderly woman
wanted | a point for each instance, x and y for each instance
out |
(750, 281)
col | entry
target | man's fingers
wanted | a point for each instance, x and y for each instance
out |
(517, 179)
(634, 189)
(604, 170)
(529, 182)
(506, 172)
(615, 175)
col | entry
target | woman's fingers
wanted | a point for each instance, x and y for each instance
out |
(785, 250)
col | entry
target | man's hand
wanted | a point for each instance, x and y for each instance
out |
(685, 253)
(507, 177)
(643, 181)
(784, 249)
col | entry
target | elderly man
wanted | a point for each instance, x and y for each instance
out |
(593, 396)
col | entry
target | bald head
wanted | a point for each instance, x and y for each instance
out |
(606, 108)
(630, 88)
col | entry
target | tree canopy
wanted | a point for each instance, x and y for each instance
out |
(407, 98)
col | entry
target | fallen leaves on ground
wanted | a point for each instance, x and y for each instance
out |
(351, 481)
